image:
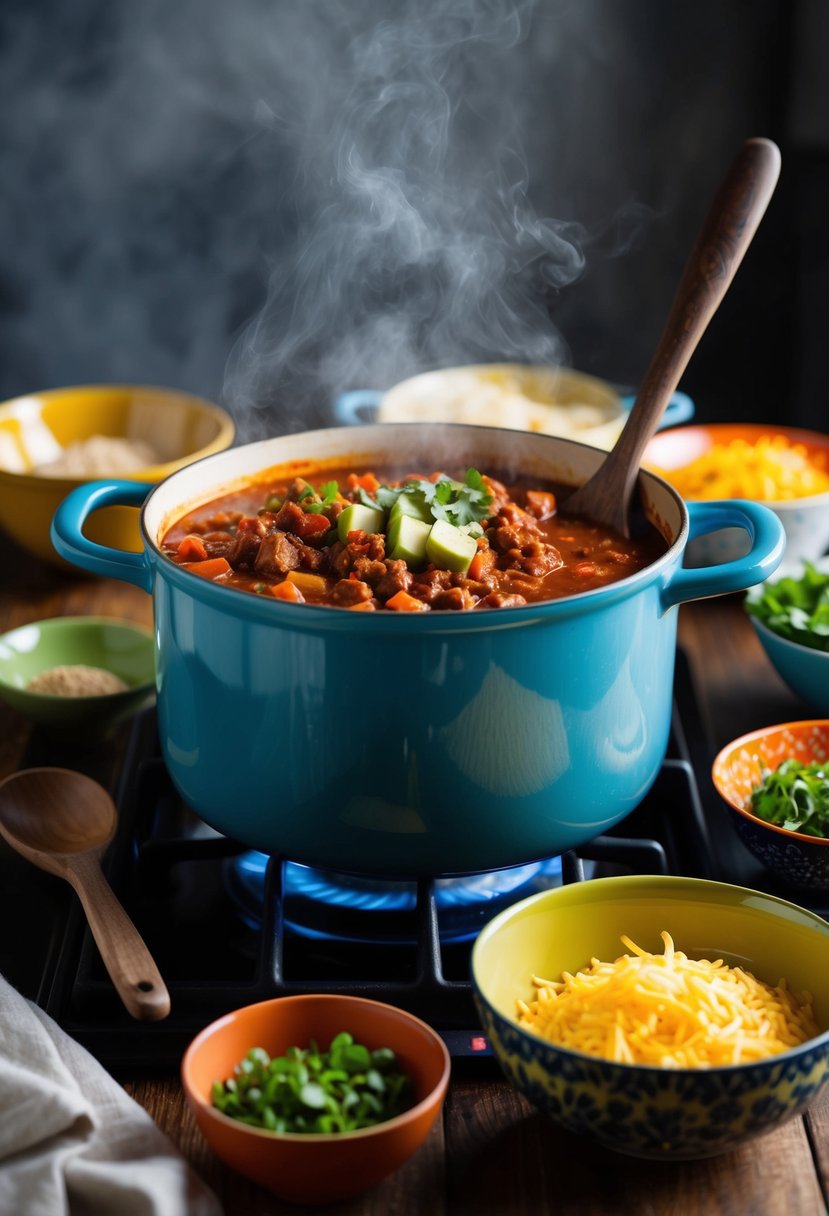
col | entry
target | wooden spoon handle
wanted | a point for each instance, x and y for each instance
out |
(125, 954)
(719, 249)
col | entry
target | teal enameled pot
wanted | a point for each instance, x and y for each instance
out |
(425, 743)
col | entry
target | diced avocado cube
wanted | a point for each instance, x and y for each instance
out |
(449, 548)
(413, 505)
(407, 538)
(359, 518)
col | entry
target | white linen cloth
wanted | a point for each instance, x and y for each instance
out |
(72, 1142)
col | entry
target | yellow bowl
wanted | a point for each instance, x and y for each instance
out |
(37, 428)
(644, 1111)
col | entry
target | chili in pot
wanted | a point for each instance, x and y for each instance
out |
(407, 543)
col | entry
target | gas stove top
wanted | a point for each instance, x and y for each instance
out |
(229, 927)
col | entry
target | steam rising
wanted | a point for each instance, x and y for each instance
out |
(337, 191)
(415, 243)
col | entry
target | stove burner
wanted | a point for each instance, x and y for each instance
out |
(324, 905)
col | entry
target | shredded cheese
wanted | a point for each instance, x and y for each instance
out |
(770, 470)
(668, 1011)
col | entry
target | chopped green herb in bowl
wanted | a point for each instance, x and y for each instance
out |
(308, 1090)
(380, 1088)
(775, 785)
(791, 619)
(795, 608)
(795, 796)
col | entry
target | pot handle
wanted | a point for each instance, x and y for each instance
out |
(680, 408)
(70, 542)
(768, 541)
(359, 405)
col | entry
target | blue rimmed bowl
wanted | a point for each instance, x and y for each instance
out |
(803, 668)
(664, 1114)
(407, 744)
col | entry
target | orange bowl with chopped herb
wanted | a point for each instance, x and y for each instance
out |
(785, 468)
(775, 785)
(291, 1155)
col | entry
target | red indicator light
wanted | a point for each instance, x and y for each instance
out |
(478, 1043)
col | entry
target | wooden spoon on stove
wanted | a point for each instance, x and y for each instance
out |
(726, 235)
(63, 821)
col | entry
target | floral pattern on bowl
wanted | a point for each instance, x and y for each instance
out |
(668, 1114)
(799, 860)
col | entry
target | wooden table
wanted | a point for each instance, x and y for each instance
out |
(491, 1152)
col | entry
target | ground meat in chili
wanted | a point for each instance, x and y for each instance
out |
(280, 538)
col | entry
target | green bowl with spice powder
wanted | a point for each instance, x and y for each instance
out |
(81, 655)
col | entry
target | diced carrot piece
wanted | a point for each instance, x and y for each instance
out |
(313, 583)
(363, 606)
(214, 567)
(476, 566)
(403, 602)
(192, 549)
(287, 591)
(585, 569)
(367, 482)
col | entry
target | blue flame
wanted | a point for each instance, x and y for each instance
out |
(313, 897)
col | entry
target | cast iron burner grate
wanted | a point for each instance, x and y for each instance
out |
(170, 870)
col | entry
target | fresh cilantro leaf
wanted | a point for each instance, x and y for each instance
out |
(796, 797)
(795, 608)
(458, 502)
(327, 495)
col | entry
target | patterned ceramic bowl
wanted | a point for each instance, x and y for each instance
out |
(800, 860)
(644, 1111)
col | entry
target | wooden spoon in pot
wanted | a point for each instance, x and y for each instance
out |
(720, 247)
(63, 821)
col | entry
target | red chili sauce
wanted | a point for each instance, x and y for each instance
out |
(506, 544)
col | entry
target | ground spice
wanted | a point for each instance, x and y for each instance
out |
(76, 680)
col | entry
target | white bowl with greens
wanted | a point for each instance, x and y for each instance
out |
(791, 618)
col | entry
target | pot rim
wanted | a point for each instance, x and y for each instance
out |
(260, 608)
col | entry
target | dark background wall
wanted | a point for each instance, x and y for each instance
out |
(272, 200)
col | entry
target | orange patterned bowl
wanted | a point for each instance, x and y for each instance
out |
(314, 1168)
(799, 860)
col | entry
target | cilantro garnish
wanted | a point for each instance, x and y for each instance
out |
(796, 608)
(796, 797)
(458, 502)
(327, 495)
(383, 499)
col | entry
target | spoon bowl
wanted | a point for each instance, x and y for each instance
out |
(83, 818)
(62, 822)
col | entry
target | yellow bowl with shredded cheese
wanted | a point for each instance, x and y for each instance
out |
(627, 1007)
(785, 468)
